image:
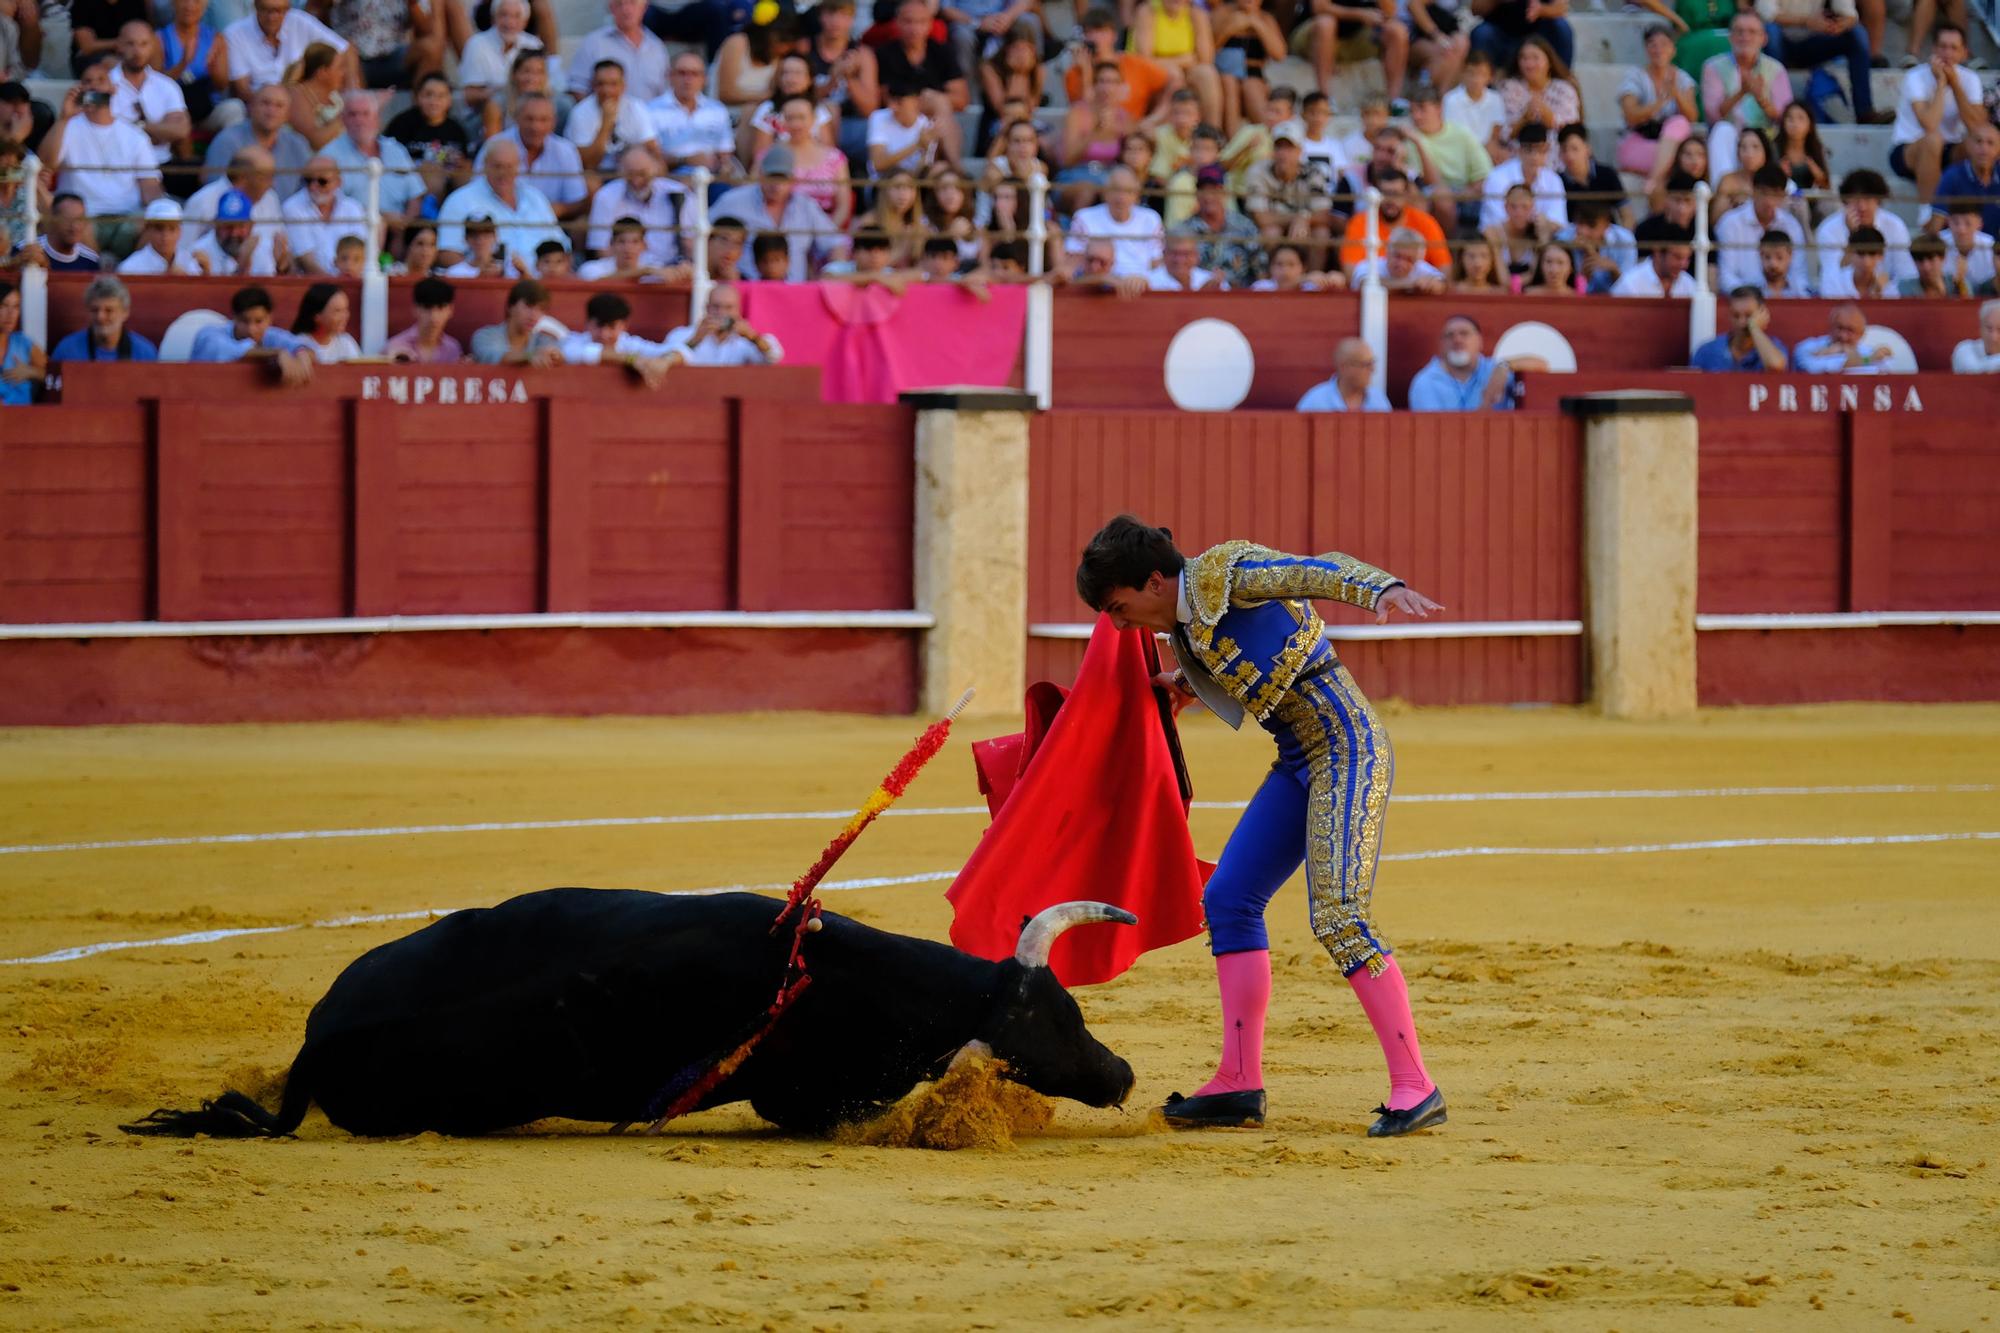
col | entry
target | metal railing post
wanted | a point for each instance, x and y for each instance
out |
(374, 282)
(1375, 296)
(1701, 309)
(698, 181)
(1038, 350)
(34, 277)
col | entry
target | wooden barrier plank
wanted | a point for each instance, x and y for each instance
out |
(760, 504)
(76, 515)
(374, 531)
(568, 462)
(177, 437)
(1870, 499)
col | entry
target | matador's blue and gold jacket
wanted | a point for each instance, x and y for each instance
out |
(1252, 628)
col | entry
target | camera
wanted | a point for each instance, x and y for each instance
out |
(95, 98)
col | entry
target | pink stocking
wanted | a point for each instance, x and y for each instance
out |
(1245, 981)
(1386, 1000)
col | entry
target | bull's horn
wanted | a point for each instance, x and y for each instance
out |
(1039, 935)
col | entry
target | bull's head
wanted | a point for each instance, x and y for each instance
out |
(1037, 1028)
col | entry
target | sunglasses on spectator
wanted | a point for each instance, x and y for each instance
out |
(317, 180)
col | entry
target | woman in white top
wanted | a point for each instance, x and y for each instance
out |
(764, 126)
(746, 65)
(1288, 272)
(322, 322)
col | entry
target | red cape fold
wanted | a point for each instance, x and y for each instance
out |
(1086, 805)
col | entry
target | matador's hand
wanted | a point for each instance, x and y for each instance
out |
(1177, 690)
(1406, 599)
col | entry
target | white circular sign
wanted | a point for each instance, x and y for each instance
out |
(1209, 366)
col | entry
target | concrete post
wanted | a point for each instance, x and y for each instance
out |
(1640, 533)
(972, 543)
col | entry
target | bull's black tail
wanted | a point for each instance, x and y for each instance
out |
(233, 1115)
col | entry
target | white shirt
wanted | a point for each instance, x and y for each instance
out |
(1978, 264)
(342, 348)
(1550, 198)
(684, 133)
(633, 126)
(1737, 233)
(661, 213)
(765, 118)
(1920, 85)
(316, 236)
(1137, 238)
(1971, 358)
(645, 65)
(87, 145)
(583, 349)
(1481, 117)
(1424, 269)
(523, 226)
(220, 265)
(1831, 237)
(557, 173)
(1159, 280)
(885, 131)
(1839, 286)
(735, 350)
(253, 58)
(146, 261)
(198, 213)
(597, 270)
(1328, 152)
(156, 98)
(487, 59)
(1642, 279)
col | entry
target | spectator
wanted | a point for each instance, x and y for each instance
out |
(159, 249)
(693, 128)
(627, 260)
(249, 171)
(1798, 151)
(426, 342)
(1555, 273)
(1228, 241)
(603, 125)
(1542, 91)
(1940, 100)
(1530, 167)
(845, 75)
(1747, 346)
(102, 160)
(1862, 194)
(15, 64)
(395, 41)
(144, 98)
(1664, 269)
(23, 119)
(1135, 230)
(250, 335)
(1928, 253)
(1658, 103)
(23, 365)
(1012, 73)
(725, 249)
(488, 57)
(608, 341)
(1519, 238)
(552, 262)
(420, 249)
(1440, 40)
(1805, 34)
(1177, 34)
(526, 337)
(1148, 83)
(1839, 351)
(1477, 106)
(1329, 35)
(1968, 250)
(319, 215)
(1173, 138)
(771, 204)
(1098, 271)
(528, 78)
(625, 40)
(1361, 148)
(350, 258)
(1457, 157)
(872, 265)
(1704, 31)
(233, 248)
(272, 39)
(523, 213)
(549, 162)
(94, 26)
(900, 136)
(1398, 210)
(1251, 143)
(1402, 266)
(485, 257)
(899, 215)
(1689, 162)
(1508, 23)
(723, 337)
(267, 127)
(60, 245)
(360, 143)
(194, 56)
(948, 211)
(1777, 261)
(1603, 249)
(746, 64)
(772, 258)
(1733, 189)
(914, 60)
(436, 141)
(1206, 151)
(1288, 273)
(321, 325)
(108, 306)
(1477, 269)
(1352, 387)
(818, 168)
(1317, 141)
(1179, 269)
(1974, 356)
(1739, 233)
(1583, 175)
(1864, 274)
(1973, 179)
(1741, 89)
(1461, 378)
(640, 193)
(314, 84)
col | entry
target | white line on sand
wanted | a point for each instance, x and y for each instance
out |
(780, 816)
(936, 876)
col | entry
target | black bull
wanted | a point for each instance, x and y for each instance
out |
(583, 1004)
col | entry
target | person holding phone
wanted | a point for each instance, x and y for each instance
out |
(723, 337)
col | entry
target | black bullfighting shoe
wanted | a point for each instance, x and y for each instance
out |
(1428, 1112)
(1218, 1110)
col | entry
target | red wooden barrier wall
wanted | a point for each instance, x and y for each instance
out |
(1479, 512)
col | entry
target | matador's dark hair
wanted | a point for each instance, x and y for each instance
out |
(1124, 554)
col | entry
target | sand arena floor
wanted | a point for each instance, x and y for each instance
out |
(1745, 1087)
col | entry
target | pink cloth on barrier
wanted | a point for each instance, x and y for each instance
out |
(871, 345)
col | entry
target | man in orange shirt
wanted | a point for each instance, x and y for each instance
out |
(1397, 211)
(1148, 83)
